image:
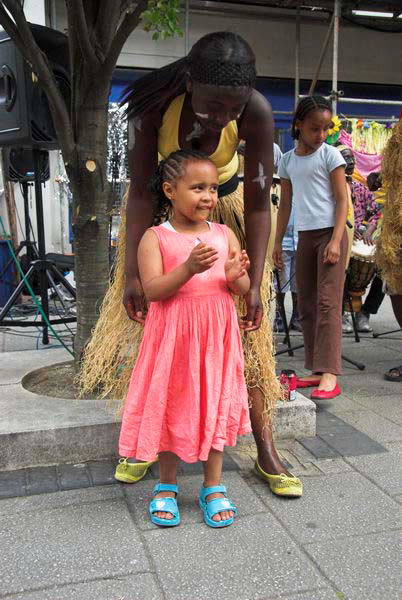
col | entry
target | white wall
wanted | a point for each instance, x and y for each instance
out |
(364, 55)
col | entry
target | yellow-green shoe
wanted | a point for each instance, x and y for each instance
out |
(281, 485)
(131, 472)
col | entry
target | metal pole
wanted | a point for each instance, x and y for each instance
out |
(364, 101)
(322, 56)
(335, 57)
(297, 57)
(373, 101)
(186, 30)
(41, 242)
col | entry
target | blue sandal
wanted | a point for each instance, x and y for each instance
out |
(165, 505)
(215, 506)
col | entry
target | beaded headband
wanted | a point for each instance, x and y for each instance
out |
(214, 72)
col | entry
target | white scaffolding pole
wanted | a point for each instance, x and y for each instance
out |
(297, 57)
(335, 56)
(186, 28)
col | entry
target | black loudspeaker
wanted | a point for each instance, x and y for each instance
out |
(19, 164)
(25, 118)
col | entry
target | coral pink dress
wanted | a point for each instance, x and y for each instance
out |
(187, 392)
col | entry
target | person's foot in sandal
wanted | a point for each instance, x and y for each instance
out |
(163, 507)
(218, 510)
(394, 374)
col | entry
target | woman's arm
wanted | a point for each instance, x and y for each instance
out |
(332, 251)
(143, 160)
(285, 208)
(256, 129)
(156, 284)
(236, 267)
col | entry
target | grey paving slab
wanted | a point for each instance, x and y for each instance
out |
(378, 403)
(102, 472)
(252, 559)
(384, 469)
(338, 405)
(330, 423)
(138, 497)
(393, 341)
(352, 444)
(376, 427)
(335, 506)
(318, 447)
(138, 587)
(364, 568)
(12, 483)
(330, 466)
(67, 545)
(51, 501)
(323, 594)
(368, 383)
(366, 352)
(15, 365)
(42, 480)
(385, 365)
(73, 476)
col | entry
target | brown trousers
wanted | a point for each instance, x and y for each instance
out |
(320, 294)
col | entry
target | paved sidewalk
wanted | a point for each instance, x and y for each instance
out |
(343, 539)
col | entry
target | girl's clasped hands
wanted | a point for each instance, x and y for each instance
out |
(236, 265)
(203, 257)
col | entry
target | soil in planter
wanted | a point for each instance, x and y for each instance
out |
(56, 381)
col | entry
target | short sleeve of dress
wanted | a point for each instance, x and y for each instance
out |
(282, 169)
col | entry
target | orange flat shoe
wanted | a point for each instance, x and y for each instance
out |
(324, 395)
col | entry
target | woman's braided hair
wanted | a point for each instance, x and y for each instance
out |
(221, 58)
(170, 169)
(306, 106)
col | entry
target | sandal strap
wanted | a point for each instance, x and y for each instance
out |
(165, 487)
(164, 505)
(214, 489)
(218, 505)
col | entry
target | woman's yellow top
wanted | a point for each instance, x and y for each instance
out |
(225, 156)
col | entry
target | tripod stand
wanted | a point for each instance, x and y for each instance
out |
(47, 272)
(31, 249)
(290, 349)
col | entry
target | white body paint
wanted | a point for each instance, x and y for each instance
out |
(261, 177)
(196, 133)
(202, 116)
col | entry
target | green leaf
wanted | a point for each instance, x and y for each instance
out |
(162, 18)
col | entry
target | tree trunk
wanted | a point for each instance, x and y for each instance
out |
(91, 198)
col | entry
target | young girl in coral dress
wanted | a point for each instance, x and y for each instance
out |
(187, 397)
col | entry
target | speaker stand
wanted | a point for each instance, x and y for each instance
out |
(48, 273)
(31, 249)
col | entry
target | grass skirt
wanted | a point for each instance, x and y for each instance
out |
(389, 245)
(111, 352)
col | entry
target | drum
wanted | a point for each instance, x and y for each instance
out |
(361, 271)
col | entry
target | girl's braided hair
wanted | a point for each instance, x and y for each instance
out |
(170, 169)
(306, 106)
(221, 58)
